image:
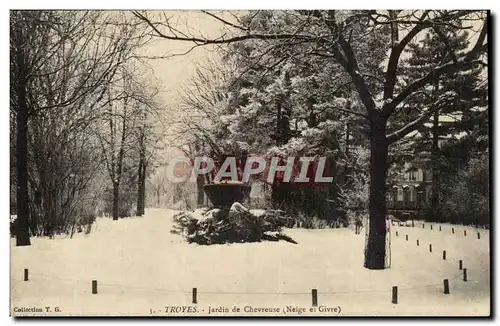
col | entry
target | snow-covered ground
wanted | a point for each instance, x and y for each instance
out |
(141, 268)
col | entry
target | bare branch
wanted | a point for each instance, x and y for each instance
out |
(245, 29)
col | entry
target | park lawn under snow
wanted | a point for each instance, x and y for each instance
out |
(141, 267)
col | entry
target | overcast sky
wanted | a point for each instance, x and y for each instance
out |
(176, 70)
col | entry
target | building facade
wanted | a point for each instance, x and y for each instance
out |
(412, 192)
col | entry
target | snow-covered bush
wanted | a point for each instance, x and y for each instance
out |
(464, 195)
(355, 192)
(235, 225)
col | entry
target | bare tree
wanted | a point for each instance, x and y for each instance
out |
(60, 62)
(126, 130)
(149, 133)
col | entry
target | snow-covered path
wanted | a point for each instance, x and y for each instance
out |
(141, 268)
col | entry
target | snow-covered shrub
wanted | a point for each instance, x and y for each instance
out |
(464, 195)
(355, 192)
(235, 225)
(312, 222)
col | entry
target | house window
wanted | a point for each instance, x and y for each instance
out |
(420, 175)
(400, 194)
(406, 194)
(415, 175)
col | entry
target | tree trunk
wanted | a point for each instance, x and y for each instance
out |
(139, 188)
(20, 80)
(141, 175)
(200, 182)
(435, 169)
(283, 135)
(116, 195)
(22, 234)
(375, 245)
(143, 189)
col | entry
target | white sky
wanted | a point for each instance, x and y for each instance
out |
(174, 71)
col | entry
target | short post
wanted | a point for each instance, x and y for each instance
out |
(397, 233)
(430, 248)
(460, 264)
(431, 226)
(407, 237)
(444, 254)
(423, 226)
(465, 274)
(395, 294)
(446, 286)
(195, 295)
(465, 233)
(94, 286)
(452, 230)
(479, 235)
(440, 228)
(417, 243)
(314, 294)
(26, 274)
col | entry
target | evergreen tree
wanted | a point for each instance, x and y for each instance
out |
(458, 102)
